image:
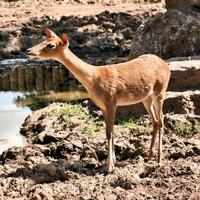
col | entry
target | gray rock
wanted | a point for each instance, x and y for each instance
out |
(174, 33)
(184, 74)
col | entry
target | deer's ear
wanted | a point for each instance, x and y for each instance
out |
(49, 33)
(64, 39)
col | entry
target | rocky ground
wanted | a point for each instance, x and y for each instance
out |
(102, 27)
(66, 155)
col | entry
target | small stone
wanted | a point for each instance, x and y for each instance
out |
(51, 170)
(35, 197)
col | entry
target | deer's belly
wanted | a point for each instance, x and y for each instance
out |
(133, 99)
(126, 102)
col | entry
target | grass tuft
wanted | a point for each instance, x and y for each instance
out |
(91, 124)
(187, 129)
(135, 125)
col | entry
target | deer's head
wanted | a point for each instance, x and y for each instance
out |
(51, 47)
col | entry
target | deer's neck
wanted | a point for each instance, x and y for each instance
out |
(80, 69)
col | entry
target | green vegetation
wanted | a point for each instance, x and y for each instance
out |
(91, 124)
(128, 122)
(187, 129)
(70, 110)
(135, 125)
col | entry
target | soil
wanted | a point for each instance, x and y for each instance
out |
(67, 160)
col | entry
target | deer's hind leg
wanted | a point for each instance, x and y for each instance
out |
(158, 103)
(149, 106)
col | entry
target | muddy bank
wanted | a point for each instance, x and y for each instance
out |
(66, 159)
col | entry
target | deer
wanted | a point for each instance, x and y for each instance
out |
(143, 79)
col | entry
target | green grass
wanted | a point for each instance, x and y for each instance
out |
(134, 124)
(128, 122)
(187, 129)
(70, 110)
(91, 124)
(90, 129)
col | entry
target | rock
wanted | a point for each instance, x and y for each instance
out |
(127, 33)
(185, 73)
(90, 163)
(123, 182)
(77, 165)
(77, 144)
(196, 99)
(178, 103)
(51, 169)
(174, 33)
(50, 136)
(86, 35)
(40, 194)
(45, 150)
(196, 150)
(35, 197)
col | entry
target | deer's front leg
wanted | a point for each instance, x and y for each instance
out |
(113, 149)
(110, 162)
(110, 118)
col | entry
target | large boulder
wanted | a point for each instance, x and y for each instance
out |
(174, 33)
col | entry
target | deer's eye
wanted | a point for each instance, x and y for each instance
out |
(50, 46)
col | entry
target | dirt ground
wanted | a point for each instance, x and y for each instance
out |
(67, 160)
(15, 13)
(66, 157)
(108, 26)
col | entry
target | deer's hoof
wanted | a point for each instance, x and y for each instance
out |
(110, 169)
(160, 161)
(151, 155)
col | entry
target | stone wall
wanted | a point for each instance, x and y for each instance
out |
(34, 76)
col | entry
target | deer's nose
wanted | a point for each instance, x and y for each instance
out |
(28, 51)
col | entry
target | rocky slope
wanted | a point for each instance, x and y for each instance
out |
(100, 28)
